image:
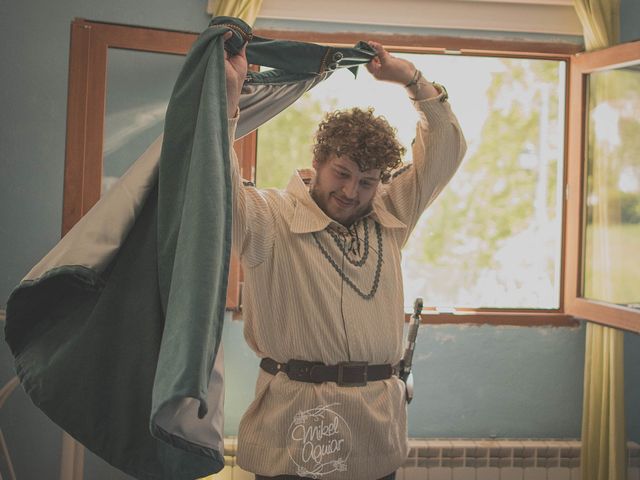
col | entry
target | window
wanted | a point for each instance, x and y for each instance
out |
(493, 238)
(612, 220)
(603, 229)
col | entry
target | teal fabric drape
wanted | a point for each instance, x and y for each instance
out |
(194, 216)
(119, 344)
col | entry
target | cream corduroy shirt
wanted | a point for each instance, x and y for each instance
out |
(297, 305)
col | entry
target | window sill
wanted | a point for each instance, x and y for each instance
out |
(519, 319)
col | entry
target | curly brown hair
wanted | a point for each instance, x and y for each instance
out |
(361, 136)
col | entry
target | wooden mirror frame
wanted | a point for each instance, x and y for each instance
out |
(86, 102)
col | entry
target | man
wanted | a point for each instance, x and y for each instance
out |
(324, 302)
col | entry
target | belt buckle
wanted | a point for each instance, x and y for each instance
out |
(352, 365)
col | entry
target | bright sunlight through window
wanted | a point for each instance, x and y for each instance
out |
(493, 237)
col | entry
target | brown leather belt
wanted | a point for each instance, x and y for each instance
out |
(345, 374)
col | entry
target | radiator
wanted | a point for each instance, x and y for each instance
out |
(477, 459)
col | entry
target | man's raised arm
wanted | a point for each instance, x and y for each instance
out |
(439, 144)
(252, 221)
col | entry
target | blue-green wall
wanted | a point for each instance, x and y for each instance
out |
(629, 20)
(472, 381)
(478, 381)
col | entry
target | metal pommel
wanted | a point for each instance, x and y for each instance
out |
(417, 307)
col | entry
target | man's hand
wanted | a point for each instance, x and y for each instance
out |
(386, 67)
(235, 69)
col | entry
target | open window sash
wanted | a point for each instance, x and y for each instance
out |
(602, 278)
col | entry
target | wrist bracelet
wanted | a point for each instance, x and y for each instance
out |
(444, 95)
(415, 79)
(442, 91)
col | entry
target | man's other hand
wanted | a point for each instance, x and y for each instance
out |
(386, 67)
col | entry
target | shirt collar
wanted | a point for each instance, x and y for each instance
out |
(308, 216)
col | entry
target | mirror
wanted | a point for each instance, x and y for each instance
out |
(139, 86)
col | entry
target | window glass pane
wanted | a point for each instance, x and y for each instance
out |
(612, 237)
(492, 238)
(139, 86)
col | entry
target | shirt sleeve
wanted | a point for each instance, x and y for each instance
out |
(253, 219)
(438, 149)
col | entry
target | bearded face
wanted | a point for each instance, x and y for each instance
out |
(342, 190)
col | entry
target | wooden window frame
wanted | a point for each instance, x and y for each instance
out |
(576, 304)
(470, 47)
(91, 40)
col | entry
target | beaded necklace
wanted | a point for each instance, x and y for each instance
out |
(343, 248)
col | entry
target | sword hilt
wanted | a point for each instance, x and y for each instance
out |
(407, 359)
(415, 321)
(417, 306)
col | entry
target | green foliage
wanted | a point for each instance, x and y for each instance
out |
(496, 201)
(609, 160)
(284, 143)
(629, 208)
